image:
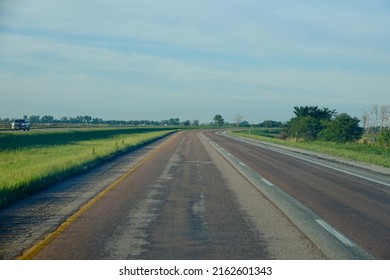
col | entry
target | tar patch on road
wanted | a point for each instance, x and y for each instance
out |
(200, 217)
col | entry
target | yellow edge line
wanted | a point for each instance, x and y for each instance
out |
(35, 249)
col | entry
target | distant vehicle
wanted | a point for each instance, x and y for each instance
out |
(21, 124)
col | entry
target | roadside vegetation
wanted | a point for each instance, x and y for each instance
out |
(325, 131)
(364, 152)
(30, 162)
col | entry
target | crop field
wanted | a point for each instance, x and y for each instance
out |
(369, 153)
(32, 161)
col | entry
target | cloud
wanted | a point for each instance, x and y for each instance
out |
(182, 52)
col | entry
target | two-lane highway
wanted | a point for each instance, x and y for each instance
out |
(185, 202)
(181, 198)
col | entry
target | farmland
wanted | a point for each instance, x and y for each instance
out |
(32, 161)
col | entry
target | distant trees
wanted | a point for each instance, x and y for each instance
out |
(34, 119)
(271, 124)
(47, 119)
(173, 121)
(376, 118)
(311, 123)
(186, 123)
(64, 119)
(177, 122)
(237, 119)
(86, 119)
(218, 120)
(384, 117)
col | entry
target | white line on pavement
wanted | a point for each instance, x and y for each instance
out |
(267, 182)
(335, 233)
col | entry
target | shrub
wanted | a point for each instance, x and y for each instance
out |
(384, 138)
(342, 129)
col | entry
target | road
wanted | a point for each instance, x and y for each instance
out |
(356, 203)
(183, 198)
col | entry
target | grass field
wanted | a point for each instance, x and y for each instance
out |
(369, 153)
(32, 161)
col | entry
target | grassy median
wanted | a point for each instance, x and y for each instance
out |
(32, 161)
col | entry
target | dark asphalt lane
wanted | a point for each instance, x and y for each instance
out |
(355, 206)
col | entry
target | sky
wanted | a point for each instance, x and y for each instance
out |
(192, 59)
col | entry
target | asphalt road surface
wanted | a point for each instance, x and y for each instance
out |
(356, 204)
(183, 198)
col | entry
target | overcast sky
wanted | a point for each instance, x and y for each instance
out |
(129, 60)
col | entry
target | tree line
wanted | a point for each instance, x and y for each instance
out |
(313, 123)
(47, 119)
(309, 123)
(376, 118)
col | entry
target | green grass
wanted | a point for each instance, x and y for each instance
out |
(368, 153)
(32, 161)
(267, 132)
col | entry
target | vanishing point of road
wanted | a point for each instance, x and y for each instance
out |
(204, 195)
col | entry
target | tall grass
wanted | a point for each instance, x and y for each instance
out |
(32, 162)
(368, 153)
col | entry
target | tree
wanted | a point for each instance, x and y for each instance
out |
(218, 120)
(374, 115)
(315, 112)
(187, 123)
(271, 124)
(64, 119)
(366, 120)
(384, 116)
(245, 123)
(342, 129)
(47, 119)
(309, 121)
(35, 119)
(237, 119)
(97, 120)
(174, 121)
(87, 119)
(305, 127)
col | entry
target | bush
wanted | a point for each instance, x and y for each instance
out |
(384, 138)
(305, 127)
(342, 129)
